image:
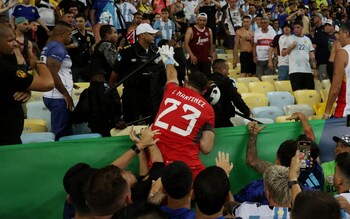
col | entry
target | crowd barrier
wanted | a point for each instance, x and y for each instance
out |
(31, 175)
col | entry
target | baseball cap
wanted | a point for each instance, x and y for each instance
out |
(345, 140)
(19, 20)
(280, 4)
(202, 15)
(145, 28)
(318, 15)
(306, 6)
(329, 21)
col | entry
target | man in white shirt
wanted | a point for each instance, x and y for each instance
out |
(301, 59)
(262, 42)
(190, 5)
(277, 46)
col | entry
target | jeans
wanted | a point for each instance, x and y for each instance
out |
(60, 117)
(283, 73)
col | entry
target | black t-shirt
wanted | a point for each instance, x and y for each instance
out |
(140, 191)
(11, 114)
(224, 109)
(81, 55)
(211, 12)
(324, 42)
(275, 44)
(131, 58)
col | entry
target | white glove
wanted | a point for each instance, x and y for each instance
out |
(167, 55)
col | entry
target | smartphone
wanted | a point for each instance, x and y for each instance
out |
(305, 154)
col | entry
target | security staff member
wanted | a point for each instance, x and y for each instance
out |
(224, 109)
(80, 49)
(142, 91)
(14, 87)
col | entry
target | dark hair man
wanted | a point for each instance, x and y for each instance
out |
(107, 192)
(301, 58)
(185, 119)
(177, 185)
(105, 54)
(229, 98)
(80, 49)
(14, 87)
(211, 188)
(141, 93)
(313, 204)
(59, 100)
(74, 183)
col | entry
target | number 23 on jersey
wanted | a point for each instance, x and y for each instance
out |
(185, 111)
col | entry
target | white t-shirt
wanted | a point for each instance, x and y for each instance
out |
(189, 11)
(250, 210)
(263, 42)
(236, 19)
(299, 57)
(283, 60)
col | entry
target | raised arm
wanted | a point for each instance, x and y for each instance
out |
(308, 131)
(167, 56)
(146, 140)
(252, 158)
(294, 171)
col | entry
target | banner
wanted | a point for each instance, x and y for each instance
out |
(31, 175)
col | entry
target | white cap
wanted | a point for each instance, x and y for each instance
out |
(202, 15)
(329, 21)
(145, 28)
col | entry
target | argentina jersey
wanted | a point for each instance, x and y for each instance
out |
(166, 30)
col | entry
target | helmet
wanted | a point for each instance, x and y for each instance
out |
(212, 95)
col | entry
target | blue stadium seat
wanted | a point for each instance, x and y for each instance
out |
(270, 112)
(81, 136)
(280, 98)
(37, 137)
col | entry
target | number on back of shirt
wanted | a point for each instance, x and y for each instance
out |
(191, 115)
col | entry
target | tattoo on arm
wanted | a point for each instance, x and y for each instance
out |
(253, 161)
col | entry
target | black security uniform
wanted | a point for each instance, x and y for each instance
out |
(224, 109)
(142, 92)
(81, 55)
(11, 114)
(103, 59)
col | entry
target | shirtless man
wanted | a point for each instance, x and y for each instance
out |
(25, 59)
(335, 48)
(244, 42)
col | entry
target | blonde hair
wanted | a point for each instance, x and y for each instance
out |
(276, 182)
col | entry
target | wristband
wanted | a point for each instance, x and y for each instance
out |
(135, 148)
(291, 183)
(169, 62)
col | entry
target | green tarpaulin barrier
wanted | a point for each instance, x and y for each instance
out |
(31, 175)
